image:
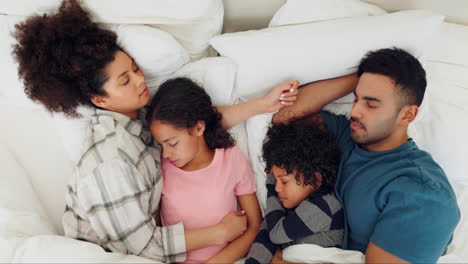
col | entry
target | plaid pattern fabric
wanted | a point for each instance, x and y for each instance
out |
(114, 194)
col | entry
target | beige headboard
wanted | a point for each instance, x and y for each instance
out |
(254, 14)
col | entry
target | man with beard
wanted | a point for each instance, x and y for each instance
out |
(399, 205)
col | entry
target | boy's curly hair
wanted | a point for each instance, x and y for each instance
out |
(62, 56)
(182, 103)
(303, 149)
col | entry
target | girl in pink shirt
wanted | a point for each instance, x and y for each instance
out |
(205, 175)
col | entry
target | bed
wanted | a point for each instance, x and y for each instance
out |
(233, 49)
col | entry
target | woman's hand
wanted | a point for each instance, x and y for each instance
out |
(282, 95)
(233, 225)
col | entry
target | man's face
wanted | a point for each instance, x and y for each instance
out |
(374, 116)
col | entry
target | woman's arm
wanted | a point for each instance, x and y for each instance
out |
(281, 96)
(314, 96)
(231, 226)
(239, 248)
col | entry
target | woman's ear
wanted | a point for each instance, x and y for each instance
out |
(98, 101)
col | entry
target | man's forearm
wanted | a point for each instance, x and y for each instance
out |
(314, 96)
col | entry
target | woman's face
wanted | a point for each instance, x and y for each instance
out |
(125, 87)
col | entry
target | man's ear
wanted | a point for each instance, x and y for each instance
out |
(408, 113)
(99, 101)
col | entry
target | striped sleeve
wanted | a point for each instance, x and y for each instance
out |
(262, 250)
(114, 203)
(308, 218)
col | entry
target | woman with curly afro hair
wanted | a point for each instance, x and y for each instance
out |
(66, 60)
(301, 161)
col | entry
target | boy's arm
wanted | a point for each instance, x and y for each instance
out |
(314, 96)
(305, 220)
(262, 250)
(238, 248)
(234, 114)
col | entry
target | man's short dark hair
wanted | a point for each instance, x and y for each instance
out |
(402, 67)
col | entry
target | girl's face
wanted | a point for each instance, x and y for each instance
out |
(125, 87)
(290, 193)
(179, 145)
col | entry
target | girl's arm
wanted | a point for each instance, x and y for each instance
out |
(231, 226)
(239, 248)
(278, 98)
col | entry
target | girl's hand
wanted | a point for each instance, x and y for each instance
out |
(233, 225)
(282, 95)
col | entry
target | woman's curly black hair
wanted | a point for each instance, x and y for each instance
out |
(182, 103)
(62, 56)
(303, 149)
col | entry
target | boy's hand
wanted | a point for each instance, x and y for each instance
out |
(282, 95)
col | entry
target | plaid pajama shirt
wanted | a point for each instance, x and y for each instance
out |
(113, 196)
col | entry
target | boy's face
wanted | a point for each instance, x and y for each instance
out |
(290, 193)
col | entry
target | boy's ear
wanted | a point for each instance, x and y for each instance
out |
(318, 176)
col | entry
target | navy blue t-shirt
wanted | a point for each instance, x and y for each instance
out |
(399, 199)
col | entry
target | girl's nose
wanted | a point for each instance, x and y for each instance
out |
(166, 154)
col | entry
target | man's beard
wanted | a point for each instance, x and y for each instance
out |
(368, 140)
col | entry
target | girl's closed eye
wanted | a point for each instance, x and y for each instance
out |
(173, 144)
(126, 81)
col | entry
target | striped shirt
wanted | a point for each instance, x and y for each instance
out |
(113, 196)
(318, 220)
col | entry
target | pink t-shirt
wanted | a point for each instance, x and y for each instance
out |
(202, 198)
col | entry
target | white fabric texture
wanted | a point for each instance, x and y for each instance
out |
(192, 23)
(307, 11)
(156, 51)
(307, 52)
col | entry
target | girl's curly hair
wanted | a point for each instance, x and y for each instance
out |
(182, 103)
(303, 149)
(62, 57)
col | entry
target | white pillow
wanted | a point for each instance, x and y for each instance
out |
(445, 136)
(319, 50)
(306, 11)
(155, 51)
(450, 45)
(11, 90)
(192, 23)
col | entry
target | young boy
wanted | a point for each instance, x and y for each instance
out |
(301, 162)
